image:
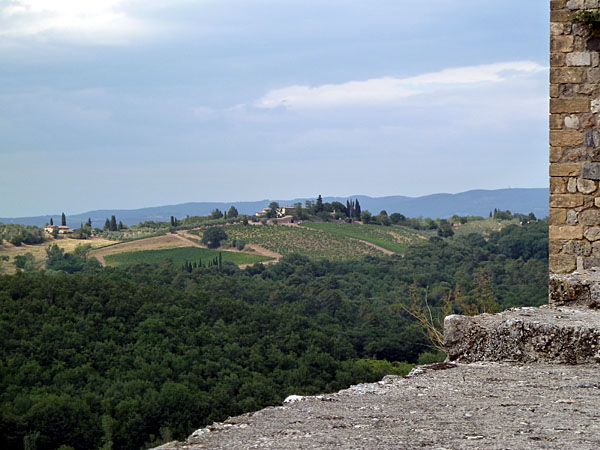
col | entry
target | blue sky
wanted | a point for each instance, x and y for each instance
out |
(126, 104)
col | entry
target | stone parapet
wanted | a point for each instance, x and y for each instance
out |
(546, 334)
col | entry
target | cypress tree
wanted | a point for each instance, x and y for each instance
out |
(89, 222)
(107, 224)
(51, 221)
(113, 223)
(63, 220)
(120, 226)
(172, 221)
(220, 260)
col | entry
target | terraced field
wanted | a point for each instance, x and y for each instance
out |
(180, 256)
(390, 238)
(302, 240)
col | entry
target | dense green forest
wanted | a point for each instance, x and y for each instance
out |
(127, 358)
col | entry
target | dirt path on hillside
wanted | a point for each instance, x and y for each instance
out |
(264, 252)
(370, 244)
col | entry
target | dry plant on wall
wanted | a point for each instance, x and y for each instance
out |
(484, 302)
(590, 20)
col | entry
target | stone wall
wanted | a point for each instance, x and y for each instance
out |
(574, 141)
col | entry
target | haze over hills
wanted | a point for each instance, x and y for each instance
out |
(470, 203)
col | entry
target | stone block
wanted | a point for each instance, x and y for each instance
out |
(595, 106)
(572, 121)
(572, 185)
(591, 171)
(575, 4)
(577, 248)
(578, 59)
(556, 122)
(556, 29)
(591, 138)
(597, 202)
(558, 59)
(557, 4)
(527, 335)
(593, 76)
(555, 154)
(558, 216)
(586, 186)
(569, 105)
(565, 169)
(590, 217)
(561, 16)
(566, 75)
(572, 217)
(566, 200)
(566, 138)
(592, 234)
(566, 232)
(554, 91)
(557, 185)
(591, 263)
(562, 263)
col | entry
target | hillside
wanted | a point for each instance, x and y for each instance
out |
(471, 203)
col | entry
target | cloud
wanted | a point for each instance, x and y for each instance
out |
(104, 21)
(390, 90)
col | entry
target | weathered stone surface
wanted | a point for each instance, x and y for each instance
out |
(572, 185)
(591, 171)
(566, 200)
(577, 248)
(551, 334)
(595, 105)
(555, 154)
(565, 138)
(569, 105)
(567, 170)
(572, 121)
(562, 263)
(566, 74)
(579, 59)
(592, 234)
(590, 217)
(591, 138)
(572, 217)
(580, 290)
(558, 216)
(575, 4)
(561, 15)
(586, 186)
(562, 44)
(557, 185)
(484, 405)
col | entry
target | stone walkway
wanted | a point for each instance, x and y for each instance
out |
(467, 406)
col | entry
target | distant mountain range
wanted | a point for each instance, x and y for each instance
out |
(471, 203)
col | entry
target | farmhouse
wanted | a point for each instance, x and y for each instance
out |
(60, 229)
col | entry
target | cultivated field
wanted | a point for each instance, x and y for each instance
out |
(181, 255)
(390, 238)
(39, 250)
(304, 241)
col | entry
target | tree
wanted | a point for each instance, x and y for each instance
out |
(51, 221)
(107, 225)
(232, 213)
(63, 220)
(113, 223)
(319, 204)
(89, 223)
(357, 211)
(213, 236)
(173, 221)
(273, 207)
(397, 218)
(216, 214)
(365, 216)
(120, 226)
(445, 229)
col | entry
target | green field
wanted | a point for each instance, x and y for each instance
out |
(304, 241)
(390, 238)
(180, 256)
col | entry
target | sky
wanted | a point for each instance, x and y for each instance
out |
(114, 104)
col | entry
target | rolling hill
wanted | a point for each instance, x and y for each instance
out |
(472, 203)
